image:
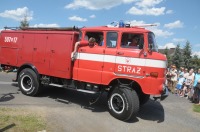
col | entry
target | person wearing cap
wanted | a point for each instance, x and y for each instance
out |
(180, 83)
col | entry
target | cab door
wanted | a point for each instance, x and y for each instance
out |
(109, 56)
(90, 59)
(130, 61)
(90, 64)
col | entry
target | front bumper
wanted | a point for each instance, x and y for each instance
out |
(164, 94)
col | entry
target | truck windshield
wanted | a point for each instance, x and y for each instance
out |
(152, 42)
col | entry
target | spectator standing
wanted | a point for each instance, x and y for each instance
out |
(196, 94)
(188, 83)
(173, 74)
(179, 85)
(181, 71)
(185, 73)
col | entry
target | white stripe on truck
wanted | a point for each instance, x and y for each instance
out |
(122, 60)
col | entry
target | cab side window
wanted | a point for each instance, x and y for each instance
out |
(134, 41)
(98, 36)
(111, 39)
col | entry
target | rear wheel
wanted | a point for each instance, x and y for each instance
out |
(28, 82)
(123, 103)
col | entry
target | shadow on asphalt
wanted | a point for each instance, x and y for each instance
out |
(70, 96)
(152, 110)
(7, 97)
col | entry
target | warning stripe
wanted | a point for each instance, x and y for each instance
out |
(122, 60)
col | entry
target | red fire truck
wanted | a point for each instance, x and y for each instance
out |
(91, 60)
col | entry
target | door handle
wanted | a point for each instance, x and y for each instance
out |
(34, 49)
(120, 53)
(52, 51)
(82, 50)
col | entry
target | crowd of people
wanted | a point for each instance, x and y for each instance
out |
(184, 83)
(7, 69)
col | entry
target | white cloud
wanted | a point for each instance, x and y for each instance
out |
(156, 29)
(176, 24)
(46, 25)
(77, 18)
(128, 1)
(168, 45)
(179, 40)
(161, 33)
(92, 16)
(96, 4)
(196, 53)
(141, 7)
(169, 12)
(146, 11)
(148, 3)
(147, 7)
(18, 14)
(136, 23)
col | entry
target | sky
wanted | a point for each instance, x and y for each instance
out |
(177, 21)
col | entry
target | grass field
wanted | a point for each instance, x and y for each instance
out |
(20, 120)
(196, 108)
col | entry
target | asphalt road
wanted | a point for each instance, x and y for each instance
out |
(66, 110)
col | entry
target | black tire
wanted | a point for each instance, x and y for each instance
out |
(123, 103)
(28, 82)
(144, 98)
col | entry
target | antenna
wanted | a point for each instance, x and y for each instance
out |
(145, 25)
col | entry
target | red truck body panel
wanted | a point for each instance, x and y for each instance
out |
(48, 51)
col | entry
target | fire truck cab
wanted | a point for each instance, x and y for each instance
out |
(122, 61)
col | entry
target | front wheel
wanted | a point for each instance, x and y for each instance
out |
(123, 103)
(28, 82)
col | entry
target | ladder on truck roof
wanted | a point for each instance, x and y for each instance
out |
(44, 28)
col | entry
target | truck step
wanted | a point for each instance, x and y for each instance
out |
(70, 88)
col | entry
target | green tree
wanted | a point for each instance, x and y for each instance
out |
(177, 58)
(187, 55)
(195, 62)
(166, 52)
(24, 23)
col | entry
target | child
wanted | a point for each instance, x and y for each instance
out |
(179, 85)
(188, 84)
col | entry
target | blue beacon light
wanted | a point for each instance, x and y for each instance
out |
(121, 24)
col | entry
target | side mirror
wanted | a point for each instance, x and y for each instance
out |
(150, 47)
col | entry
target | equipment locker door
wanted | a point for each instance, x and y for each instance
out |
(39, 48)
(26, 53)
(60, 54)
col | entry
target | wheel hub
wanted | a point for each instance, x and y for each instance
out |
(26, 83)
(117, 103)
